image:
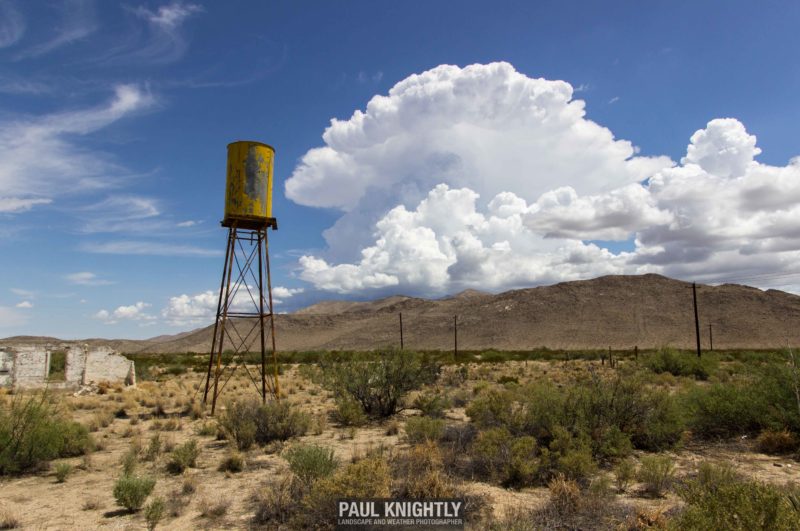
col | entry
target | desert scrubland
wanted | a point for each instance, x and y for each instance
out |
(531, 440)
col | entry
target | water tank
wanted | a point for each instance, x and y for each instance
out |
(248, 186)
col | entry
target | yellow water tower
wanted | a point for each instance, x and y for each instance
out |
(245, 321)
(248, 185)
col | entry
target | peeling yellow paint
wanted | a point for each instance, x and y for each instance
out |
(248, 190)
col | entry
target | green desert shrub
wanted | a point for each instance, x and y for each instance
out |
(153, 448)
(249, 422)
(62, 472)
(379, 384)
(33, 431)
(613, 410)
(612, 415)
(432, 404)
(505, 379)
(495, 409)
(680, 363)
(154, 512)
(310, 462)
(233, 462)
(348, 411)
(183, 457)
(763, 399)
(569, 456)
(724, 410)
(499, 456)
(131, 491)
(718, 499)
(238, 422)
(280, 421)
(657, 473)
(421, 429)
(625, 473)
(367, 478)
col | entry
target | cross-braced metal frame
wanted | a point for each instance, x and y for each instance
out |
(244, 307)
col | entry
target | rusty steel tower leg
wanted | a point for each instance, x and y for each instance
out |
(261, 249)
(223, 317)
(276, 386)
(228, 251)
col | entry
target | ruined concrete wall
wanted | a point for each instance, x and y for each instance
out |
(75, 365)
(6, 366)
(31, 366)
(104, 365)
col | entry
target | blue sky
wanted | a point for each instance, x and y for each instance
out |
(114, 119)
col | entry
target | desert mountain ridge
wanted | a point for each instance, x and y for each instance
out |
(617, 311)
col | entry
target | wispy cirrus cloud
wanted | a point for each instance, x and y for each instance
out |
(12, 24)
(161, 41)
(147, 248)
(121, 213)
(11, 84)
(168, 17)
(41, 158)
(15, 205)
(24, 293)
(87, 278)
(78, 21)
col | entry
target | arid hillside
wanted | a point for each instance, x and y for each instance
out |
(611, 311)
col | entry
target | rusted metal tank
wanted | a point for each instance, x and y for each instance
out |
(248, 188)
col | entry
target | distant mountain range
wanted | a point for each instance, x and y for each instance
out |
(611, 311)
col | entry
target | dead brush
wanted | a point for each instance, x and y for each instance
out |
(8, 520)
(420, 474)
(275, 504)
(565, 495)
(214, 508)
(92, 504)
(189, 485)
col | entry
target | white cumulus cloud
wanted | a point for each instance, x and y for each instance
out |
(484, 177)
(488, 128)
(133, 312)
(446, 243)
(201, 308)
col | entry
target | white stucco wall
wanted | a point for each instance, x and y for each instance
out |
(105, 365)
(75, 365)
(31, 366)
(6, 367)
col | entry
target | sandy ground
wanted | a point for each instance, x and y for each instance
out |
(85, 500)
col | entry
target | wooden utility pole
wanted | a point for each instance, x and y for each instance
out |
(710, 338)
(696, 318)
(455, 335)
(401, 330)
